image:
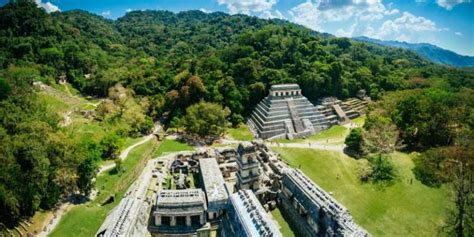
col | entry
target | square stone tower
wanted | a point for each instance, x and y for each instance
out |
(248, 175)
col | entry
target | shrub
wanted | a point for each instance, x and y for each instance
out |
(382, 168)
(354, 142)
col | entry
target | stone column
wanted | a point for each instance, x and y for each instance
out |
(202, 219)
(173, 221)
(157, 220)
(188, 220)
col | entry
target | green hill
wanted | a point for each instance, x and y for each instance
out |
(150, 65)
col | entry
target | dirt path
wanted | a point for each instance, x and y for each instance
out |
(66, 206)
(124, 154)
(309, 145)
(56, 218)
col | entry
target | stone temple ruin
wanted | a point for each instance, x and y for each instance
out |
(227, 192)
(286, 113)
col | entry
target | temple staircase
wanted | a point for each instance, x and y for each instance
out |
(297, 123)
(340, 113)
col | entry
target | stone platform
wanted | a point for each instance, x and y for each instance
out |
(286, 113)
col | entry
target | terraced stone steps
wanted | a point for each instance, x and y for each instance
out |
(297, 123)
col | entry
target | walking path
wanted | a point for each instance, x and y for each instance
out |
(63, 208)
(58, 214)
(311, 145)
(124, 154)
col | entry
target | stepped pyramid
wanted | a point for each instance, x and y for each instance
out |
(338, 112)
(286, 113)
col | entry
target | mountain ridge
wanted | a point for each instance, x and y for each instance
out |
(431, 52)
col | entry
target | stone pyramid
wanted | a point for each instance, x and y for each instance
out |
(286, 113)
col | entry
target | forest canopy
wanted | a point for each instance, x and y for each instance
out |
(163, 63)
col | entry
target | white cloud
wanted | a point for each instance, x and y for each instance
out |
(106, 13)
(407, 27)
(315, 13)
(307, 14)
(449, 4)
(348, 33)
(48, 6)
(205, 10)
(409, 22)
(458, 33)
(270, 15)
(392, 12)
(247, 6)
(129, 10)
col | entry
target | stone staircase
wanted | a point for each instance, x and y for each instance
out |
(297, 123)
(340, 113)
(278, 115)
(357, 105)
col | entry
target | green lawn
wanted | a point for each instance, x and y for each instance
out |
(400, 209)
(53, 104)
(168, 145)
(131, 140)
(334, 135)
(241, 133)
(359, 121)
(85, 128)
(284, 227)
(84, 220)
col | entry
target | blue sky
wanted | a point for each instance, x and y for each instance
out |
(446, 23)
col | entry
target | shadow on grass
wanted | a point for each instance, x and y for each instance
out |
(115, 171)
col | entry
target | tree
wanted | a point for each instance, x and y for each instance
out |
(354, 141)
(120, 96)
(380, 135)
(206, 119)
(453, 165)
(118, 165)
(381, 168)
(428, 119)
(335, 72)
(380, 139)
(111, 144)
(91, 154)
(4, 89)
(462, 182)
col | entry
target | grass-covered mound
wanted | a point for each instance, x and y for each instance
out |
(241, 133)
(404, 208)
(333, 135)
(169, 145)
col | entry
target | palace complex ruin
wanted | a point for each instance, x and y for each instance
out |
(286, 113)
(226, 192)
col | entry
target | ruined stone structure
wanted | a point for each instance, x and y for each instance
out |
(122, 219)
(337, 111)
(179, 211)
(286, 113)
(246, 217)
(214, 186)
(262, 182)
(129, 217)
(248, 175)
(313, 211)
